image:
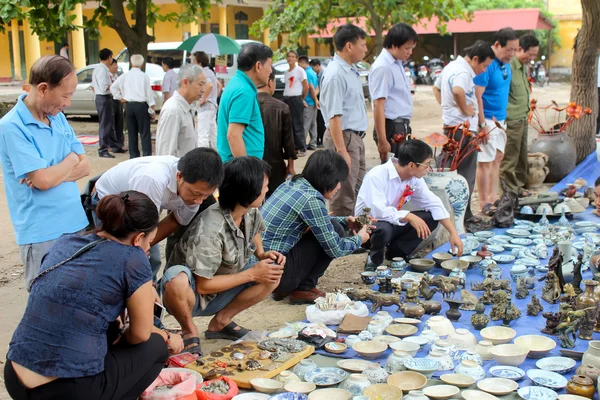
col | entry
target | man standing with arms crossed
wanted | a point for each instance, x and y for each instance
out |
(296, 88)
(345, 113)
(390, 89)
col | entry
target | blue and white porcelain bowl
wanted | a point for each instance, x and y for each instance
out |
(503, 258)
(537, 393)
(507, 372)
(548, 379)
(326, 376)
(560, 365)
(424, 366)
(527, 210)
(289, 396)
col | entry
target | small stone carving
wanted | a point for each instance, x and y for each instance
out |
(363, 219)
(469, 300)
(497, 284)
(552, 321)
(551, 291)
(534, 308)
(508, 313)
(567, 330)
(500, 303)
(522, 291)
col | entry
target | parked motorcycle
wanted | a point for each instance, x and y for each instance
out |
(411, 81)
(423, 74)
(538, 72)
(435, 69)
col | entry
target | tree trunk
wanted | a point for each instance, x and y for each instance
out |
(135, 38)
(584, 77)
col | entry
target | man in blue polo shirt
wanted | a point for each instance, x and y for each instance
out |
(311, 103)
(240, 129)
(491, 90)
(41, 160)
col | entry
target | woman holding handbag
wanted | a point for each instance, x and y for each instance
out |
(61, 348)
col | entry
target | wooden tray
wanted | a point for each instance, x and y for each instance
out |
(270, 368)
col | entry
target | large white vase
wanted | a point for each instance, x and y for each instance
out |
(455, 188)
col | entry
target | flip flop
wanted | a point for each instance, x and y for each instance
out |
(194, 350)
(228, 332)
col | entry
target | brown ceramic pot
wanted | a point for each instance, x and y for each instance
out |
(412, 311)
(581, 386)
(588, 370)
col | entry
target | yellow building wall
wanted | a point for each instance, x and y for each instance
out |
(5, 71)
(46, 48)
(564, 7)
(567, 30)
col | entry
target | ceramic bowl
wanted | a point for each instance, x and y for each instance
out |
(472, 260)
(497, 386)
(330, 394)
(477, 395)
(537, 345)
(440, 258)
(420, 340)
(335, 347)
(440, 325)
(548, 379)
(423, 366)
(451, 264)
(560, 365)
(352, 365)
(462, 339)
(409, 347)
(300, 387)
(561, 207)
(387, 339)
(326, 376)
(410, 321)
(370, 349)
(383, 391)
(458, 380)
(407, 283)
(441, 392)
(421, 264)
(537, 393)
(526, 210)
(507, 372)
(252, 396)
(498, 334)
(509, 354)
(407, 380)
(368, 277)
(265, 385)
(543, 207)
(289, 396)
(401, 330)
(571, 397)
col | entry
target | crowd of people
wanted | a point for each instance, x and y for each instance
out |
(236, 230)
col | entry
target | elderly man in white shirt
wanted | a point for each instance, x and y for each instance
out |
(387, 188)
(176, 133)
(133, 88)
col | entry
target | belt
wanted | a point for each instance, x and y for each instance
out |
(400, 120)
(292, 97)
(109, 95)
(359, 133)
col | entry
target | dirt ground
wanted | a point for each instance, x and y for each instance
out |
(269, 315)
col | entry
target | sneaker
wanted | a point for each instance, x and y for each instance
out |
(303, 297)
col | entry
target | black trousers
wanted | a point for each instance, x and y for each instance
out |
(306, 263)
(138, 122)
(400, 241)
(128, 371)
(118, 125)
(467, 168)
(104, 106)
(297, 111)
(393, 127)
(321, 128)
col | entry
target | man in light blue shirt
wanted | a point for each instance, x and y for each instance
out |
(311, 102)
(390, 90)
(41, 160)
(345, 113)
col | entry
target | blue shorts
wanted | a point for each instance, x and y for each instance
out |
(219, 302)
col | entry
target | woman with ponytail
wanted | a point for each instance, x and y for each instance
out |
(61, 349)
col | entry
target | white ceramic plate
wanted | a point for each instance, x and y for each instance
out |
(537, 393)
(518, 232)
(560, 365)
(326, 376)
(549, 379)
(352, 365)
(507, 372)
(495, 248)
(522, 241)
(497, 386)
(410, 321)
(477, 395)
(503, 258)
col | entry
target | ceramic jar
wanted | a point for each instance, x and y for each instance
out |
(446, 347)
(536, 170)
(304, 367)
(383, 272)
(356, 384)
(581, 385)
(462, 339)
(445, 360)
(376, 328)
(415, 395)
(287, 377)
(483, 265)
(376, 374)
(365, 335)
(588, 370)
(395, 362)
(592, 354)
(484, 349)
(587, 300)
(518, 271)
(455, 187)
(470, 368)
(494, 271)
(383, 316)
(398, 264)
(440, 325)
(561, 152)
(430, 335)
(471, 355)
(350, 340)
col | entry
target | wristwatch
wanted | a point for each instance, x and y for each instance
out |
(482, 125)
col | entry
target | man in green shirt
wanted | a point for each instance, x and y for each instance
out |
(240, 130)
(513, 169)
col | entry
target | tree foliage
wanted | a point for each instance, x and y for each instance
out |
(301, 18)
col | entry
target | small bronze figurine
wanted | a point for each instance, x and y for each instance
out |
(551, 291)
(577, 278)
(425, 291)
(508, 313)
(522, 291)
(469, 300)
(567, 331)
(552, 321)
(534, 308)
(480, 319)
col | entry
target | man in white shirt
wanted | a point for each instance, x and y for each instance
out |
(118, 136)
(101, 84)
(387, 188)
(207, 106)
(176, 133)
(179, 185)
(390, 90)
(169, 85)
(64, 51)
(296, 89)
(133, 88)
(455, 91)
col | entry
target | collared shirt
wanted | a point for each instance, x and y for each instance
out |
(214, 245)
(342, 94)
(496, 81)
(101, 79)
(133, 85)
(296, 206)
(27, 145)
(239, 104)
(156, 177)
(314, 80)
(169, 82)
(388, 81)
(293, 81)
(212, 78)
(518, 96)
(64, 53)
(279, 135)
(382, 189)
(176, 133)
(457, 73)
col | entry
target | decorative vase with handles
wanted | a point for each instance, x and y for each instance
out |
(561, 152)
(304, 367)
(592, 354)
(455, 188)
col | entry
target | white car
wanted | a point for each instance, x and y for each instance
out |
(83, 100)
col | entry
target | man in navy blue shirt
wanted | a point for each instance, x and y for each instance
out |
(492, 88)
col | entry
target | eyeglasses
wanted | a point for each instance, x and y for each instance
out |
(504, 71)
(429, 165)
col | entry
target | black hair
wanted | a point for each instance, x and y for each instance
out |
(597, 183)
(324, 169)
(400, 34)
(252, 53)
(65, 44)
(104, 54)
(202, 58)
(169, 62)
(243, 181)
(528, 41)
(201, 164)
(504, 35)
(51, 70)
(347, 33)
(272, 75)
(303, 58)
(315, 62)
(126, 213)
(114, 61)
(293, 52)
(415, 151)
(480, 49)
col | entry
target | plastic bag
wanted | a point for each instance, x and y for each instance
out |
(335, 317)
(233, 390)
(182, 386)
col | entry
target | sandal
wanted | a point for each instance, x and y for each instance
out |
(195, 349)
(228, 332)
(489, 209)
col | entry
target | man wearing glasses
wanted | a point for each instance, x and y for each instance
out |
(387, 188)
(492, 88)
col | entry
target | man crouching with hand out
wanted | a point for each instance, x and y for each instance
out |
(209, 271)
(387, 188)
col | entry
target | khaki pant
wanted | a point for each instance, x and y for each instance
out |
(513, 169)
(342, 204)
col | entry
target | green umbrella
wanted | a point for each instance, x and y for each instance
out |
(210, 43)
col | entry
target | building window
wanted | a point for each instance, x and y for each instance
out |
(214, 28)
(241, 31)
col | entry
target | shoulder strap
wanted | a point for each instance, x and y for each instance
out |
(79, 252)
